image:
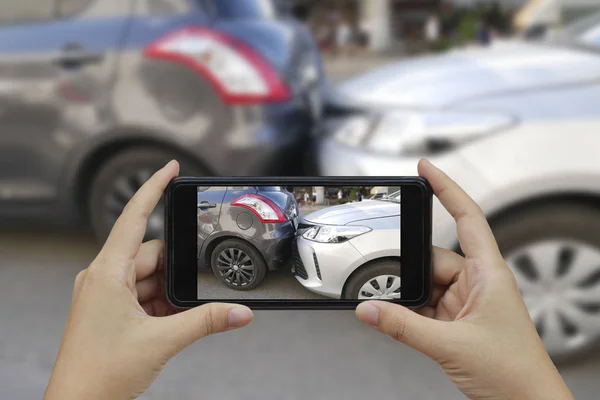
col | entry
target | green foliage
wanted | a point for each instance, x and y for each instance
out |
(353, 194)
(467, 29)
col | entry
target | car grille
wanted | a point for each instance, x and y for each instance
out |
(298, 264)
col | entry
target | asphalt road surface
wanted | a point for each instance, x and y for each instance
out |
(282, 355)
(277, 285)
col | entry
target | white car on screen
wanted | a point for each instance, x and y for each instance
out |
(351, 251)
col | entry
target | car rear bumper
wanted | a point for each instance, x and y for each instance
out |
(274, 143)
(276, 245)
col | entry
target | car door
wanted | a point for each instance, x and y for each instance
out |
(57, 61)
(209, 204)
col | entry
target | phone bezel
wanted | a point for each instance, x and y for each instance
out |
(333, 304)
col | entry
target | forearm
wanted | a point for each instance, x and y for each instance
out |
(549, 386)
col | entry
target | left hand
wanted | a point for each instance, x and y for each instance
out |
(121, 331)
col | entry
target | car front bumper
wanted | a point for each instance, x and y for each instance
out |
(323, 268)
(335, 159)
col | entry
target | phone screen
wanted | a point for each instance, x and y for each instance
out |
(297, 243)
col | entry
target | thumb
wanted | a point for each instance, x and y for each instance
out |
(401, 324)
(183, 329)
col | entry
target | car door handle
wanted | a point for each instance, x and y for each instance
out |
(206, 205)
(74, 55)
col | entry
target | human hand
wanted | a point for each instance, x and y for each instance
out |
(476, 326)
(121, 331)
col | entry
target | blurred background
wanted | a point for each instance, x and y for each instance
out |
(95, 95)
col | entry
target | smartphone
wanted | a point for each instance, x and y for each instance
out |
(298, 243)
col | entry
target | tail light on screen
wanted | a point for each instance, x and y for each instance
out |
(264, 209)
(237, 72)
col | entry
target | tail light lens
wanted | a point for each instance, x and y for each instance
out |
(264, 208)
(238, 73)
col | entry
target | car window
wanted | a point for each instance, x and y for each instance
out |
(70, 8)
(25, 11)
(243, 9)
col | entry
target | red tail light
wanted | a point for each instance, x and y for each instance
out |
(264, 208)
(238, 73)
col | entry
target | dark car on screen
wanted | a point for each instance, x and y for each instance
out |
(244, 232)
(96, 95)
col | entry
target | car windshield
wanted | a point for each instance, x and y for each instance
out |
(394, 197)
(585, 31)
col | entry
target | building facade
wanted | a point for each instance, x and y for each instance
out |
(386, 21)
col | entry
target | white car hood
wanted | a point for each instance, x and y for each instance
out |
(352, 212)
(463, 75)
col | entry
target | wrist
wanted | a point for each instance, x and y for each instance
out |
(545, 384)
(70, 384)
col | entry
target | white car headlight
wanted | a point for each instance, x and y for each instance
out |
(416, 132)
(354, 130)
(334, 234)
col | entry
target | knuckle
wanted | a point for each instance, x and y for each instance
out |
(460, 213)
(80, 277)
(156, 244)
(145, 213)
(508, 277)
(93, 274)
(208, 322)
(398, 329)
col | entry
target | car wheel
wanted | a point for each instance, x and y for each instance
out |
(238, 265)
(554, 252)
(117, 181)
(377, 281)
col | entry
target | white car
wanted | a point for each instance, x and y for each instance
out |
(351, 251)
(518, 126)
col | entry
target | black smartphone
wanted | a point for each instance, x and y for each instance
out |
(298, 243)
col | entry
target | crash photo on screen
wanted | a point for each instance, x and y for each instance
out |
(299, 243)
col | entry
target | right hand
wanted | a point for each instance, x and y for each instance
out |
(476, 326)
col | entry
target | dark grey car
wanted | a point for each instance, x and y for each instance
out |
(243, 232)
(96, 95)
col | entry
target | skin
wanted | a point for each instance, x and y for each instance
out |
(476, 326)
(121, 331)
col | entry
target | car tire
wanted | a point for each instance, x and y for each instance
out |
(370, 272)
(564, 231)
(227, 263)
(120, 177)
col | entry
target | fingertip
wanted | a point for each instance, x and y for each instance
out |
(424, 163)
(172, 167)
(239, 316)
(368, 313)
(426, 168)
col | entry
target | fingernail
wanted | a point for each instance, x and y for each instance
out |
(368, 313)
(239, 316)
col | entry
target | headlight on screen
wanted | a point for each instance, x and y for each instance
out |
(334, 234)
(415, 132)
